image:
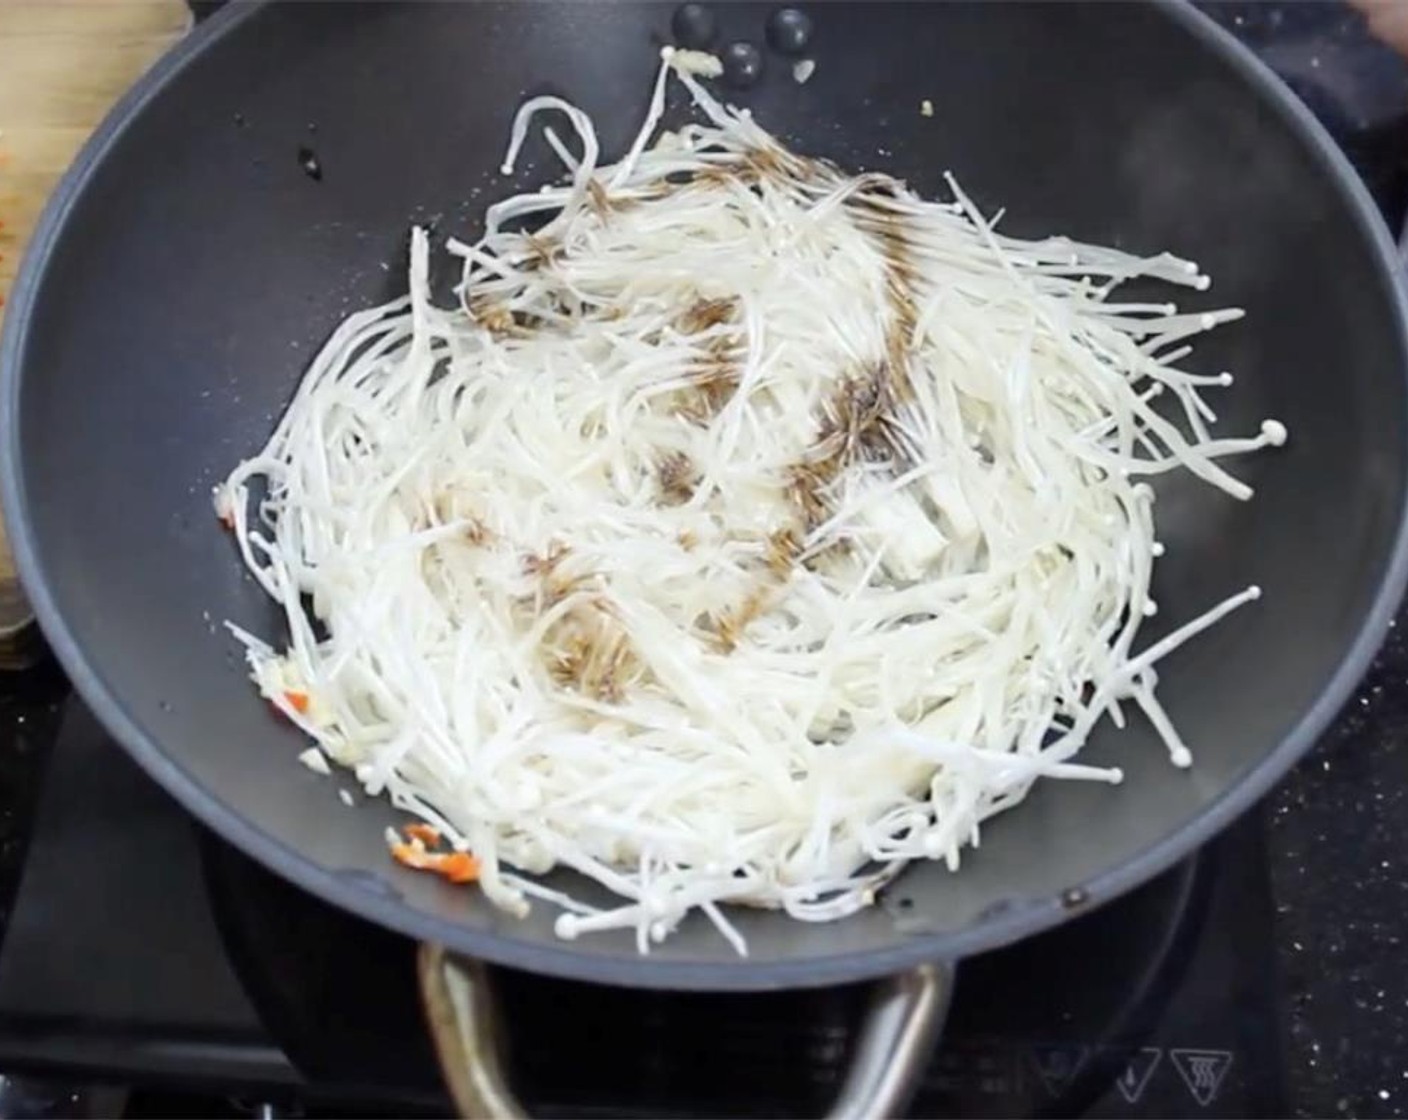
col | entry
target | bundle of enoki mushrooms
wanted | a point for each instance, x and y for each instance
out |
(748, 530)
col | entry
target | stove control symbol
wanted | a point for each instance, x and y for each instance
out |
(1202, 1071)
(1139, 1066)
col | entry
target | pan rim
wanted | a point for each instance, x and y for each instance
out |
(563, 960)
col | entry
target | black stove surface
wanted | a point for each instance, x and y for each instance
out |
(1260, 978)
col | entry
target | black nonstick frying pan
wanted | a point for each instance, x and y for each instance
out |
(259, 184)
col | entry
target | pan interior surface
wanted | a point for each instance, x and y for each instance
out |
(193, 264)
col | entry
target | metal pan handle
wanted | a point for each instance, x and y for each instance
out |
(896, 1038)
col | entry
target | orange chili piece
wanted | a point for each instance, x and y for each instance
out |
(457, 867)
(423, 832)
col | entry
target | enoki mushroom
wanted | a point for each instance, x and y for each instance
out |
(747, 529)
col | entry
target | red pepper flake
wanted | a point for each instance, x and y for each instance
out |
(298, 701)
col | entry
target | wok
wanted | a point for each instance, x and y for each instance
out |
(259, 184)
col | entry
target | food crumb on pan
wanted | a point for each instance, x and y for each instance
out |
(926, 108)
(803, 70)
(315, 760)
(346, 798)
(1074, 897)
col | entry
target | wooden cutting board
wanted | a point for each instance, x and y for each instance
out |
(62, 65)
